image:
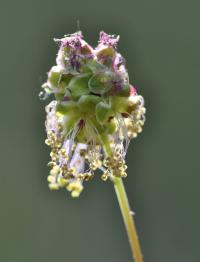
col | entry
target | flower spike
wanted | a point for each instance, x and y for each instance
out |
(94, 114)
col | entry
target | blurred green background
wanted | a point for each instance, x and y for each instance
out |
(160, 41)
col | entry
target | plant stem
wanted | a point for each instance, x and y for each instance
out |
(124, 206)
(128, 219)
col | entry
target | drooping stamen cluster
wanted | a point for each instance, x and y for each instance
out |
(94, 115)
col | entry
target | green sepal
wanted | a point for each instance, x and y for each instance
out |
(72, 120)
(94, 66)
(63, 93)
(106, 55)
(99, 128)
(99, 84)
(64, 80)
(107, 51)
(87, 103)
(81, 137)
(79, 86)
(54, 78)
(125, 91)
(64, 107)
(119, 104)
(111, 126)
(59, 96)
(103, 112)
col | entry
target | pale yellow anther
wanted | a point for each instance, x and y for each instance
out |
(95, 164)
(143, 110)
(70, 187)
(53, 156)
(62, 181)
(88, 176)
(71, 170)
(54, 186)
(51, 164)
(120, 162)
(107, 162)
(117, 155)
(55, 170)
(118, 148)
(120, 168)
(125, 167)
(49, 133)
(47, 142)
(81, 176)
(75, 188)
(58, 145)
(51, 179)
(123, 174)
(75, 193)
(63, 151)
(104, 177)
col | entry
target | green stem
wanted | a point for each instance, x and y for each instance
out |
(128, 219)
(124, 206)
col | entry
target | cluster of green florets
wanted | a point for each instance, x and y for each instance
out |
(94, 115)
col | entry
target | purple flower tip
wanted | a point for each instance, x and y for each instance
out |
(110, 40)
(71, 40)
(118, 84)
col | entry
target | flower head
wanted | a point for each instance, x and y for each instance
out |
(94, 114)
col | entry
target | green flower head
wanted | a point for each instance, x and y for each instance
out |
(94, 114)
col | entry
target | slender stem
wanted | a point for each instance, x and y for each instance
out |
(128, 219)
(124, 206)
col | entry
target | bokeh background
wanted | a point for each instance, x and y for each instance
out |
(160, 41)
